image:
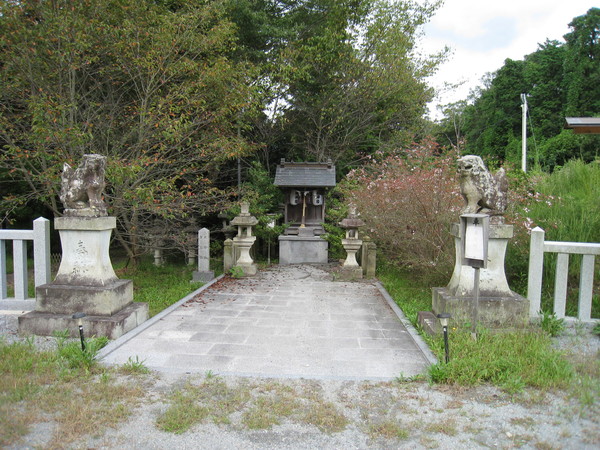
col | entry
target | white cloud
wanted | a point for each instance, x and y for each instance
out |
(482, 35)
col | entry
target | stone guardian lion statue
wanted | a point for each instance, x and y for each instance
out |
(82, 188)
(483, 192)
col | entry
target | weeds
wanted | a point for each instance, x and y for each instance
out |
(388, 429)
(236, 272)
(65, 385)
(262, 406)
(493, 358)
(72, 353)
(551, 324)
(134, 366)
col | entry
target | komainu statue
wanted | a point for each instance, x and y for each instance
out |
(483, 192)
(82, 188)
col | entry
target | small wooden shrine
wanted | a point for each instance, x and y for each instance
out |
(304, 185)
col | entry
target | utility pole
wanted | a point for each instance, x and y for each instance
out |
(524, 133)
(239, 162)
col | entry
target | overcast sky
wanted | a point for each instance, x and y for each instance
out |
(483, 33)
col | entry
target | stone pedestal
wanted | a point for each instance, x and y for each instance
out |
(302, 250)
(85, 283)
(245, 262)
(492, 279)
(499, 307)
(350, 265)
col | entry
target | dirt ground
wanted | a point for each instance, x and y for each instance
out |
(346, 414)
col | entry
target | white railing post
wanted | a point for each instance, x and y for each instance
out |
(560, 284)
(536, 266)
(20, 268)
(586, 287)
(41, 251)
(3, 279)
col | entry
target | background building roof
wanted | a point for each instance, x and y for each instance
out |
(305, 174)
(583, 125)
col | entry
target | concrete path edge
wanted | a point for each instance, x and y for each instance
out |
(112, 346)
(409, 327)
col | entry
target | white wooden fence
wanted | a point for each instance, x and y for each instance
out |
(40, 235)
(538, 247)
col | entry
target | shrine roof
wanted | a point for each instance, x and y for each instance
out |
(305, 174)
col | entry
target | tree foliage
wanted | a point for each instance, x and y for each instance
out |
(560, 80)
(359, 82)
(156, 91)
(343, 77)
(173, 92)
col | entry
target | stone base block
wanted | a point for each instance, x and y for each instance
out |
(248, 269)
(114, 326)
(350, 273)
(429, 322)
(302, 249)
(91, 300)
(202, 277)
(494, 312)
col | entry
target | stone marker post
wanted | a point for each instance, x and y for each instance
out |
(369, 257)
(203, 273)
(228, 255)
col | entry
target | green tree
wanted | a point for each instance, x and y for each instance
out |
(582, 65)
(561, 79)
(155, 90)
(348, 77)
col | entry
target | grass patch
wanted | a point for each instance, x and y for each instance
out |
(258, 406)
(160, 287)
(211, 400)
(275, 402)
(183, 413)
(412, 297)
(326, 417)
(64, 387)
(447, 426)
(511, 360)
(388, 430)
(133, 367)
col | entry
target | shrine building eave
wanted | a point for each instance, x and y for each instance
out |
(305, 174)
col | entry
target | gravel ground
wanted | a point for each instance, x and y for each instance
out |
(417, 414)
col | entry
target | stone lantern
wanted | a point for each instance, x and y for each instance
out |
(244, 239)
(352, 243)
(227, 229)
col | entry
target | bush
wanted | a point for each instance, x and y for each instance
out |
(565, 204)
(409, 199)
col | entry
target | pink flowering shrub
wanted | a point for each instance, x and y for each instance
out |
(409, 199)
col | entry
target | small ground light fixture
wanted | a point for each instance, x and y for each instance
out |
(444, 320)
(79, 316)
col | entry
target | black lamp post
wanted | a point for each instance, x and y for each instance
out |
(444, 319)
(79, 316)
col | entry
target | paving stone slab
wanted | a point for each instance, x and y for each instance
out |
(288, 321)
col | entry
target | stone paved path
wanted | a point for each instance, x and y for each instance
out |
(289, 321)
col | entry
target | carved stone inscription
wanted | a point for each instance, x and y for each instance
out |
(203, 250)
